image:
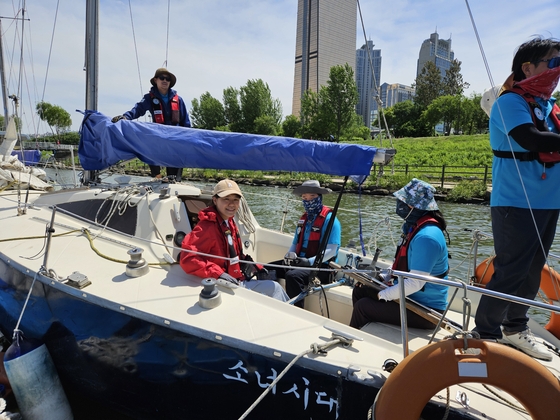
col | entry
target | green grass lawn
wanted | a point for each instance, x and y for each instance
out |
(437, 151)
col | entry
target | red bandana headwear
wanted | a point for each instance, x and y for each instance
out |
(541, 85)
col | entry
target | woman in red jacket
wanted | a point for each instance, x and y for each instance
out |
(216, 234)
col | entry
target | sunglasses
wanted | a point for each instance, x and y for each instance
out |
(164, 78)
(552, 62)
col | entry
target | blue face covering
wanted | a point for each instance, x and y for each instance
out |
(410, 216)
(313, 207)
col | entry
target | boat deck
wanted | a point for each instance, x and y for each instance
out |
(245, 319)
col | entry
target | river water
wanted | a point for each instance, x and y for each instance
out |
(380, 225)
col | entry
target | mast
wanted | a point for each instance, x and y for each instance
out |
(92, 50)
(3, 77)
(91, 66)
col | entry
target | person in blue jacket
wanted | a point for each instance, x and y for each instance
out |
(524, 128)
(165, 106)
(422, 250)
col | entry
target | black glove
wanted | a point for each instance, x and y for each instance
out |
(262, 273)
(301, 262)
(227, 277)
(118, 118)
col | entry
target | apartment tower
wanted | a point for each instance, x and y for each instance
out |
(326, 37)
(395, 93)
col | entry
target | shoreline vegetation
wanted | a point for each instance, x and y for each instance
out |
(471, 152)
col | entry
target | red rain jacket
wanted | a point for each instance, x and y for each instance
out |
(209, 238)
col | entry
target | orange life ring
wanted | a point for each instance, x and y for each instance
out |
(435, 367)
(550, 285)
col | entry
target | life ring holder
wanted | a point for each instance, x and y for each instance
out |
(550, 285)
(439, 365)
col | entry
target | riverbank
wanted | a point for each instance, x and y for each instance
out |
(454, 189)
(335, 184)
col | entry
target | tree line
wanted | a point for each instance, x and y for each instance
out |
(437, 100)
(325, 115)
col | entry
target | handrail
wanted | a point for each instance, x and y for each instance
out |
(429, 279)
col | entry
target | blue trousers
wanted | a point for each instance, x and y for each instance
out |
(520, 258)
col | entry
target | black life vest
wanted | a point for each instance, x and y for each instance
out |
(314, 235)
(233, 245)
(158, 109)
(401, 256)
(548, 159)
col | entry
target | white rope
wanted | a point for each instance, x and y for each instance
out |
(120, 200)
(374, 236)
(244, 216)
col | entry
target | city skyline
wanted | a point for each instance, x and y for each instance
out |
(217, 44)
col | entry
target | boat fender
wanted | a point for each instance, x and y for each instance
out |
(406, 392)
(550, 285)
(210, 296)
(35, 382)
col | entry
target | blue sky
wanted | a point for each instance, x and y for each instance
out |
(214, 44)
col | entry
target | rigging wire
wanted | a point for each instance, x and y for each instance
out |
(377, 100)
(489, 73)
(135, 48)
(50, 51)
(167, 41)
(48, 62)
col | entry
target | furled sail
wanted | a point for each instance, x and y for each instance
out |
(103, 143)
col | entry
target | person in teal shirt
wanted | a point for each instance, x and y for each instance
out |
(422, 250)
(525, 202)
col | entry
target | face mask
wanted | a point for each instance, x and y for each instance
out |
(541, 85)
(313, 207)
(410, 215)
(403, 210)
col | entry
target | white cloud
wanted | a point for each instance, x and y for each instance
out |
(214, 44)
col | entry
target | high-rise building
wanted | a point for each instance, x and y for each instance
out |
(367, 89)
(438, 51)
(395, 93)
(326, 37)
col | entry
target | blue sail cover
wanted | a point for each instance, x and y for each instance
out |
(29, 157)
(103, 143)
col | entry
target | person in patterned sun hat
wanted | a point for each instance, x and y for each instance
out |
(422, 250)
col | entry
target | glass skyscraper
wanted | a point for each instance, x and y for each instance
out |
(437, 51)
(367, 89)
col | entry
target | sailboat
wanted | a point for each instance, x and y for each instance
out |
(128, 330)
(17, 167)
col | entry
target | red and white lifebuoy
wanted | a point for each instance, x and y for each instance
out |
(550, 285)
(437, 366)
